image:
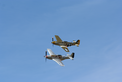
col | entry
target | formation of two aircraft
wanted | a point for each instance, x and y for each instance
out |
(64, 45)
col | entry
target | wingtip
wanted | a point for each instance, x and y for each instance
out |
(56, 35)
(48, 48)
(62, 65)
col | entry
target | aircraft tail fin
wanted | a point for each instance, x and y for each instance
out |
(71, 56)
(77, 43)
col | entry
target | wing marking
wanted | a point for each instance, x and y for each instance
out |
(58, 61)
(65, 48)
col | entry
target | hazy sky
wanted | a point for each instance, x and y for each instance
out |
(26, 29)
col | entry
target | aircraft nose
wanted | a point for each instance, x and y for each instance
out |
(45, 56)
(53, 42)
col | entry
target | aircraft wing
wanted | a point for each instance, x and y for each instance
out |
(50, 52)
(65, 48)
(58, 38)
(58, 61)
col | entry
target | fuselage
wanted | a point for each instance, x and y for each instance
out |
(57, 56)
(64, 43)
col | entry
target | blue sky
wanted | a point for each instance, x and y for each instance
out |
(26, 29)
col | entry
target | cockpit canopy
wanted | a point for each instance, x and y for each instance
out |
(59, 55)
(64, 41)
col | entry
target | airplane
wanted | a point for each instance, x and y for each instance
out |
(57, 58)
(64, 44)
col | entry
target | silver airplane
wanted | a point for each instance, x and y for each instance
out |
(57, 58)
(64, 44)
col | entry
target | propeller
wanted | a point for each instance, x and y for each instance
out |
(45, 56)
(52, 41)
